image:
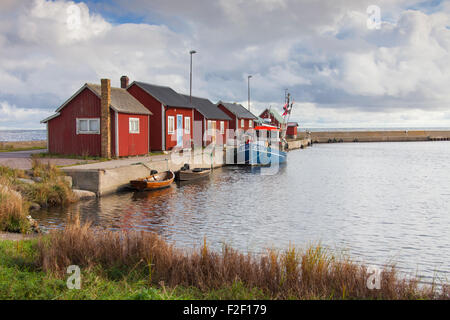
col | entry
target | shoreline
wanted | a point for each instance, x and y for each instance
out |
(376, 136)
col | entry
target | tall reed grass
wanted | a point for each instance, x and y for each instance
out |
(313, 273)
(13, 213)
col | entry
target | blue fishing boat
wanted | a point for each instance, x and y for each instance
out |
(256, 154)
(263, 150)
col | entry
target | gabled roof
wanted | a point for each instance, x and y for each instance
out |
(208, 109)
(121, 101)
(292, 124)
(238, 110)
(275, 114)
(165, 95)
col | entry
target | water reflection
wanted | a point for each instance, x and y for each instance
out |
(378, 201)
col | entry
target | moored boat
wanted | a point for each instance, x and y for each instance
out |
(153, 182)
(194, 174)
(255, 154)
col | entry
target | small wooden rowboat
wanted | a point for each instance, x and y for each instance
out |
(154, 182)
(194, 174)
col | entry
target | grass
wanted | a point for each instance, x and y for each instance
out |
(16, 195)
(22, 278)
(67, 156)
(147, 259)
(22, 146)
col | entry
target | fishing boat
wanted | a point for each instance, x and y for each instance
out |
(153, 182)
(194, 174)
(264, 149)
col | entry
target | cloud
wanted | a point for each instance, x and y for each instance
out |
(322, 51)
(19, 118)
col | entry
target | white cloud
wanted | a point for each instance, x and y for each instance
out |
(321, 50)
(13, 117)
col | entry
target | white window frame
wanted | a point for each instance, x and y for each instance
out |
(242, 123)
(187, 125)
(169, 119)
(250, 123)
(88, 120)
(222, 127)
(130, 126)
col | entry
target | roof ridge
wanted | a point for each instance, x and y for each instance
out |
(155, 85)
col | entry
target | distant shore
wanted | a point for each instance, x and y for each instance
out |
(10, 146)
(352, 135)
(376, 136)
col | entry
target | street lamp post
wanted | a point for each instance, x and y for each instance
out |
(248, 79)
(190, 82)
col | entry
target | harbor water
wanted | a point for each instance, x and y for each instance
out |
(377, 202)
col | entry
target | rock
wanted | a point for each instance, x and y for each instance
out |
(83, 194)
(37, 179)
(34, 225)
(27, 181)
(35, 206)
(68, 180)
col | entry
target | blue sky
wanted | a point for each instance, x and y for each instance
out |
(340, 72)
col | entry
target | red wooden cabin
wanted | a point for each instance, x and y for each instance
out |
(241, 118)
(214, 122)
(272, 117)
(99, 121)
(292, 129)
(172, 121)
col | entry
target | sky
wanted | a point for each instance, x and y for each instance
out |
(342, 65)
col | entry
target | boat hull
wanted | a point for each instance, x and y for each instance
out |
(153, 182)
(258, 155)
(189, 175)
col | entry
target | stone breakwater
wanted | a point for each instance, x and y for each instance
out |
(376, 136)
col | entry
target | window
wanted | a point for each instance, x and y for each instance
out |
(242, 123)
(250, 123)
(88, 126)
(222, 127)
(187, 125)
(171, 124)
(134, 125)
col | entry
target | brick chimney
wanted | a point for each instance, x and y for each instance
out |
(105, 122)
(124, 81)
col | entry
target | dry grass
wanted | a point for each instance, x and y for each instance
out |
(13, 213)
(51, 191)
(22, 145)
(289, 274)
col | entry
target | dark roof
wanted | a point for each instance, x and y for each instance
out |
(208, 109)
(238, 110)
(121, 100)
(165, 95)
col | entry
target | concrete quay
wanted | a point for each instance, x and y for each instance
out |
(111, 176)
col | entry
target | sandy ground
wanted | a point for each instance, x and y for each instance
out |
(22, 159)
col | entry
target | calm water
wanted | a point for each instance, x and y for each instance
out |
(380, 202)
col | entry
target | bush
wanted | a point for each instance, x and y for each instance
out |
(13, 214)
(48, 193)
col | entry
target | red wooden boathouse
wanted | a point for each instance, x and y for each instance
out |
(99, 121)
(172, 120)
(214, 122)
